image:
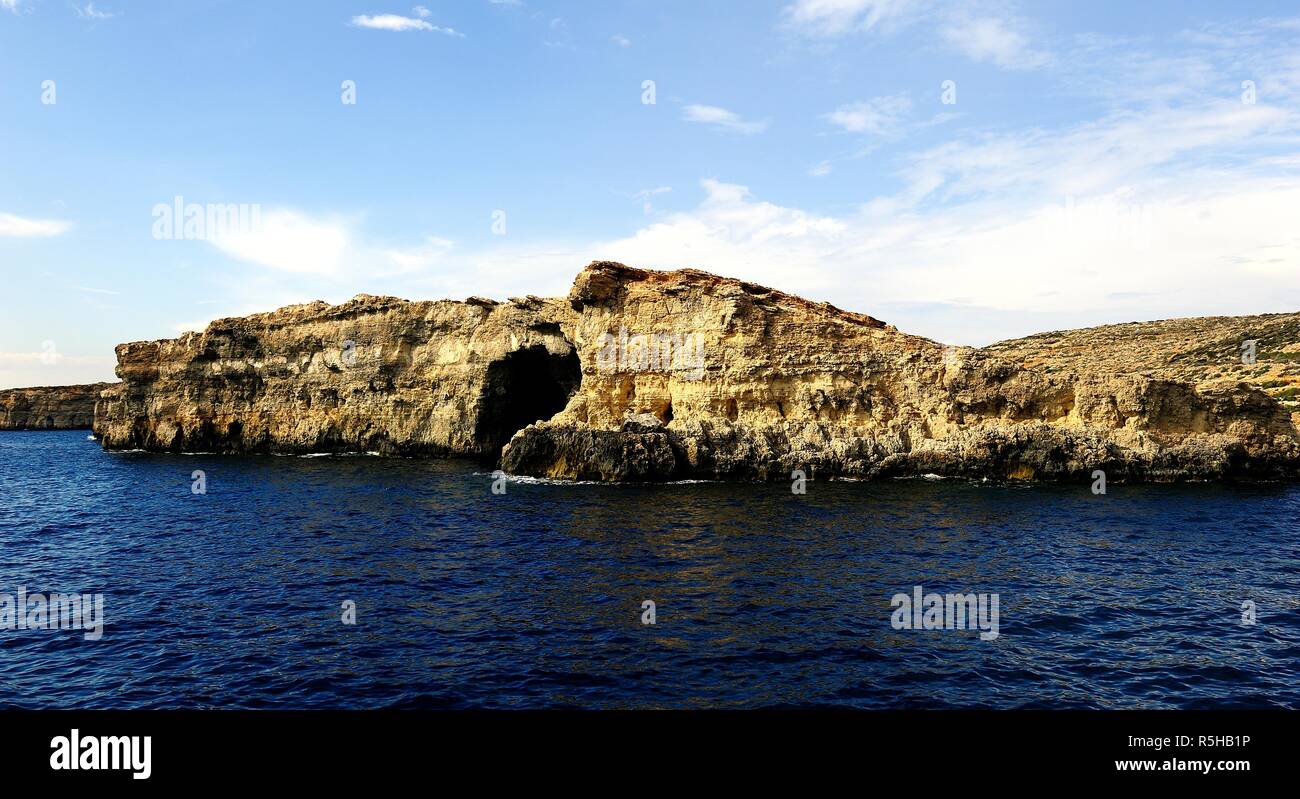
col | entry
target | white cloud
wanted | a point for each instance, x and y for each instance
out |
(1120, 256)
(291, 241)
(646, 195)
(333, 252)
(722, 119)
(839, 17)
(88, 11)
(1003, 41)
(731, 234)
(391, 22)
(621, 40)
(992, 236)
(879, 116)
(819, 170)
(993, 40)
(424, 256)
(11, 5)
(396, 22)
(1088, 158)
(11, 225)
(421, 12)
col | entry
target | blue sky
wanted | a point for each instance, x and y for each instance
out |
(1088, 163)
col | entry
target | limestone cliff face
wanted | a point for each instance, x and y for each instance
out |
(49, 407)
(785, 384)
(641, 375)
(376, 374)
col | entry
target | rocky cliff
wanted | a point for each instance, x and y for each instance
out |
(377, 374)
(787, 384)
(49, 407)
(641, 375)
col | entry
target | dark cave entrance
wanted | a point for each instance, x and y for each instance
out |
(527, 386)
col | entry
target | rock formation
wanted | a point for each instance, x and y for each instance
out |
(376, 374)
(49, 407)
(641, 375)
(788, 384)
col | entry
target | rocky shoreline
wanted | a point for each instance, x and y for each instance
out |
(651, 376)
(50, 407)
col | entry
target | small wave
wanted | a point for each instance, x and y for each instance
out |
(339, 455)
(544, 481)
(557, 481)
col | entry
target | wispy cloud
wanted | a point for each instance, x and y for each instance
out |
(396, 22)
(840, 17)
(621, 40)
(23, 227)
(990, 39)
(420, 257)
(645, 197)
(88, 11)
(722, 119)
(1001, 39)
(1097, 156)
(879, 116)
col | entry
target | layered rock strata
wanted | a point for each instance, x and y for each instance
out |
(49, 407)
(642, 375)
(376, 374)
(789, 385)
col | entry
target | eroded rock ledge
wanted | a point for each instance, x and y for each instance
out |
(641, 375)
(377, 374)
(49, 407)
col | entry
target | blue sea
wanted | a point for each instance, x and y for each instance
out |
(533, 598)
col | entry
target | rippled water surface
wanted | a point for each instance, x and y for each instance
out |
(533, 598)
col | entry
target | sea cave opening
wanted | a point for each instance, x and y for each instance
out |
(528, 385)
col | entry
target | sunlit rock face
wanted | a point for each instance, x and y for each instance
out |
(49, 407)
(689, 375)
(643, 375)
(376, 374)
